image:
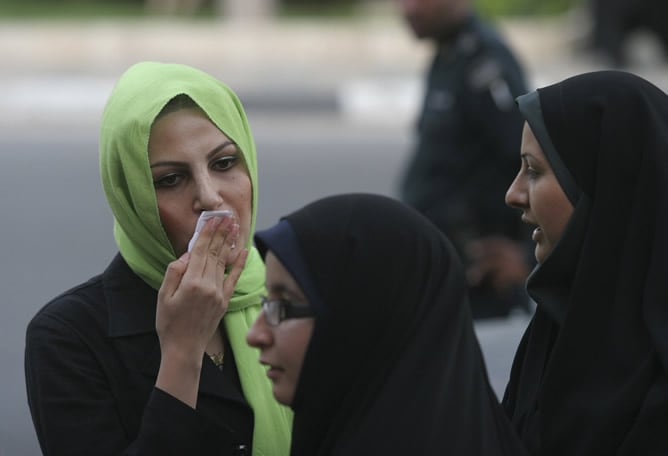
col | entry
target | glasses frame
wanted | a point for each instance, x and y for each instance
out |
(278, 310)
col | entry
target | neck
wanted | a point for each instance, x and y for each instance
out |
(451, 29)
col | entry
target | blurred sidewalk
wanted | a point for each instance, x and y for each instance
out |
(360, 68)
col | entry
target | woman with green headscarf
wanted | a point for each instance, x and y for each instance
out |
(149, 357)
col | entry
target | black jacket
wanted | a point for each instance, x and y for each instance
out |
(91, 361)
(467, 150)
(468, 138)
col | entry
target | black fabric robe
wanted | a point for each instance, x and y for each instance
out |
(393, 366)
(590, 376)
(91, 360)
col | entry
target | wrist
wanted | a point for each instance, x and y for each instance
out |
(179, 374)
(180, 358)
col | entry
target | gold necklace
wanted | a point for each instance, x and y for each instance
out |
(218, 359)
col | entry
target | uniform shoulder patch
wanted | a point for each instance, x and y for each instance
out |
(486, 75)
(483, 72)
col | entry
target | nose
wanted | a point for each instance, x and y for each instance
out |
(259, 335)
(516, 196)
(207, 197)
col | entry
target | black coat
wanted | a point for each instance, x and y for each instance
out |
(92, 358)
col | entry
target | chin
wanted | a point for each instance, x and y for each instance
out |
(283, 397)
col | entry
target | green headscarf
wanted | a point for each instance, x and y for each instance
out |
(139, 95)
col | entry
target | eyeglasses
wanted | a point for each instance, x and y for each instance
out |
(277, 310)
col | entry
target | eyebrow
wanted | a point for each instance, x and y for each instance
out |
(209, 155)
(527, 155)
(277, 288)
(282, 289)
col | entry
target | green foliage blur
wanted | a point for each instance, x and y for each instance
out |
(497, 8)
(55, 9)
(328, 8)
(288, 8)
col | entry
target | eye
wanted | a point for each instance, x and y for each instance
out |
(167, 180)
(529, 170)
(225, 163)
(532, 173)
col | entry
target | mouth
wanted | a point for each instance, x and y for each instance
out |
(201, 221)
(536, 235)
(527, 220)
(273, 372)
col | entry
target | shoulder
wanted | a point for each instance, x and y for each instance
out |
(489, 56)
(492, 42)
(81, 308)
(491, 71)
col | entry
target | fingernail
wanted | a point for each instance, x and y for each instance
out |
(234, 232)
(184, 258)
(212, 223)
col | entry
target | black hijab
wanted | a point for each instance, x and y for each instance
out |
(393, 366)
(590, 375)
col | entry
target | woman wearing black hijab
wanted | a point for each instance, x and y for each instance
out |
(590, 375)
(393, 366)
(389, 362)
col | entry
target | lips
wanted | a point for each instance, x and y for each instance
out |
(527, 220)
(537, 233)
(273, 373)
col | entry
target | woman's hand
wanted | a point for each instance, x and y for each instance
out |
(192, 301)
(499, 261)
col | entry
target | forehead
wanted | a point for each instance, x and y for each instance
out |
(530, 145)
(183, 128)
(168, 121)
(278, 278)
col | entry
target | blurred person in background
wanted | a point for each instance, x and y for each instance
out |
(613, 21)
(465, 154)
(149, 357)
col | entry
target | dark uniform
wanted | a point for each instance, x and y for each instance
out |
(468, 147)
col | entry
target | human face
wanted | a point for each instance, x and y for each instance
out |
(282, 347)
(536, 191)
(196, 168)
(433, 18)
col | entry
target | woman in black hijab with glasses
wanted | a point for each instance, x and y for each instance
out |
(591, 374)
(368, 335)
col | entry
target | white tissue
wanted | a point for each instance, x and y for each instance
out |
(203, 217)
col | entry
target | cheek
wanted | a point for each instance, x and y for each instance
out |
(297, 345)
(243, 197)
(176, 225)
(562, 215)
(556, 211)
